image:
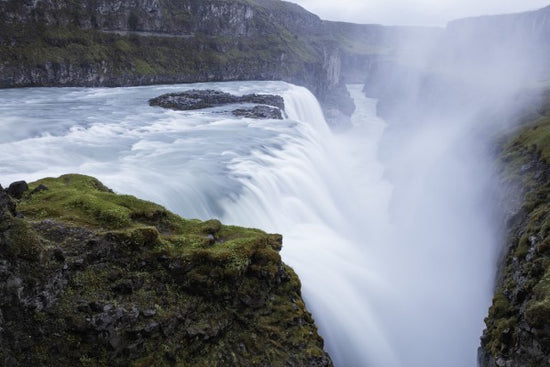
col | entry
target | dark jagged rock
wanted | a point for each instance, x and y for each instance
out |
(205, 98)
(269, 106)
(265, 99)
(17, 189)
(193, 100)
(259, 112)
(91, 278)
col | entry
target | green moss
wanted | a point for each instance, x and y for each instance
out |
(500, 307)
(523, 247)
(143, 68)
(168, 290)
(18, 239)
(85, 201)
(123, 45)
(196, 58)
(537, 312)
(537, 136)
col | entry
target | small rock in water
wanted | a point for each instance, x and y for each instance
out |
(259, 112)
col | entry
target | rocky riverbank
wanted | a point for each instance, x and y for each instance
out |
(92, 278)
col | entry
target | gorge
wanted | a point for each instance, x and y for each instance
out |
(408, 180)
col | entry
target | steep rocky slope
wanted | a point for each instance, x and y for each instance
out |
(91, 278)
(518, 324)
(490, 68)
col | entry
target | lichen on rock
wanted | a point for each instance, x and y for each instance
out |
(92, 278)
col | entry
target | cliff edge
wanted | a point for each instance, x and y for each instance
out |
(518, 328)
(92, 278)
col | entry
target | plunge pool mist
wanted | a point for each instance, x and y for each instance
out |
(396, 272)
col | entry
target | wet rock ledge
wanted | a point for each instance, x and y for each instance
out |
(92, 278)
(267, 106)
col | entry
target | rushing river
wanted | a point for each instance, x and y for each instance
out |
(396, 273)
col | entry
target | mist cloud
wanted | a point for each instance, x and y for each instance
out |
(416, 12)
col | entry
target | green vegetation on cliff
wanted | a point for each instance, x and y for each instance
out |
(92, 43)
(93, 278)
(46, 55)
(517, 331)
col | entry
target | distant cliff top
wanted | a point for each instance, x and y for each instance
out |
(122, 43)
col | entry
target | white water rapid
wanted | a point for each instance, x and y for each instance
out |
(396, 275)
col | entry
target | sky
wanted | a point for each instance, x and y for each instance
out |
(413, 12)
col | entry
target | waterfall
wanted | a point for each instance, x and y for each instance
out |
(325, 204)
(396, 273)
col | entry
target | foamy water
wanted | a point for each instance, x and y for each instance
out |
(396, 273)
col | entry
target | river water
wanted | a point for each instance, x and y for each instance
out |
(397, 272)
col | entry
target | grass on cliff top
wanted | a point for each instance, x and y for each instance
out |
(220, 294)
(534, 135)
(525, 157)
(78, 200)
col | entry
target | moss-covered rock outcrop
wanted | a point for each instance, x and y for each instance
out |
(518, 324)
(92, 278)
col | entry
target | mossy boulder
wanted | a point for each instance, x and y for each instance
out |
(92, 278)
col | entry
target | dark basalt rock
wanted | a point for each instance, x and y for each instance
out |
(259, 112)
(17, 189)
(193, 100)
(268, 105)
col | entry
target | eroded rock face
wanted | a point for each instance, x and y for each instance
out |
(88, 277)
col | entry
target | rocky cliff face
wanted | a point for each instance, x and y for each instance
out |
(91, 278)
(518, 326)
(120, 43)
(487, 59)
(136, 42)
